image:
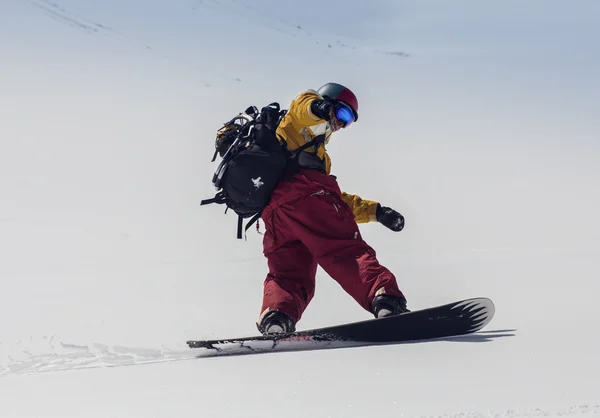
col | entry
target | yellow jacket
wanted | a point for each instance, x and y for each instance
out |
(300, 126)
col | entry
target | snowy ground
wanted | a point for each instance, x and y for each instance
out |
(479, 122)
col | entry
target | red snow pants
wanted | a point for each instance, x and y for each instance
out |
(308, 224)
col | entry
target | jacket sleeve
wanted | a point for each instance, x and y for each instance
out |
(300, 110)
(364, 210)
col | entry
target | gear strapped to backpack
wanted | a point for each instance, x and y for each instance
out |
(253, 162)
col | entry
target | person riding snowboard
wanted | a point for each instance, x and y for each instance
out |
(310, 222)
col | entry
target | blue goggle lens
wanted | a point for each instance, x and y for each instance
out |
(344, 114)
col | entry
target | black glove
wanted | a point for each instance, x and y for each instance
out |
(321, 108)
(390, 218)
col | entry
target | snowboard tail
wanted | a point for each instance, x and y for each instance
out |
(453, 319)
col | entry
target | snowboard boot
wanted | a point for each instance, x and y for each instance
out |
(276, 322)
(385, 305)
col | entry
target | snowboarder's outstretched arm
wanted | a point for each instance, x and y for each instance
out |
(370, 211)
(364, 210)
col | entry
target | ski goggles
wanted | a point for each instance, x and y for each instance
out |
(344, 114)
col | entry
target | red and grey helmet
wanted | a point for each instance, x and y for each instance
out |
(340, 93)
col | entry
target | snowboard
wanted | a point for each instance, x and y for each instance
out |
(453, 319)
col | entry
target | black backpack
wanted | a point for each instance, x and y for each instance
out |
(253, 162)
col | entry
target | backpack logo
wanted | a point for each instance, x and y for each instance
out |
(258, 183)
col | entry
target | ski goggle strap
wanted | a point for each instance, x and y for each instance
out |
(344, 114)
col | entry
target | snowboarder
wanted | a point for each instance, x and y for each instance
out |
(310, 222)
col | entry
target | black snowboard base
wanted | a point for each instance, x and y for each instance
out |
(453, 319)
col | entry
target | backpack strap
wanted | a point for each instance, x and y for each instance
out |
(251, 222)
(317, 141)
(240, 226)
(219, 199)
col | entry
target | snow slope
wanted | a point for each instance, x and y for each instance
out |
(479, 122)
